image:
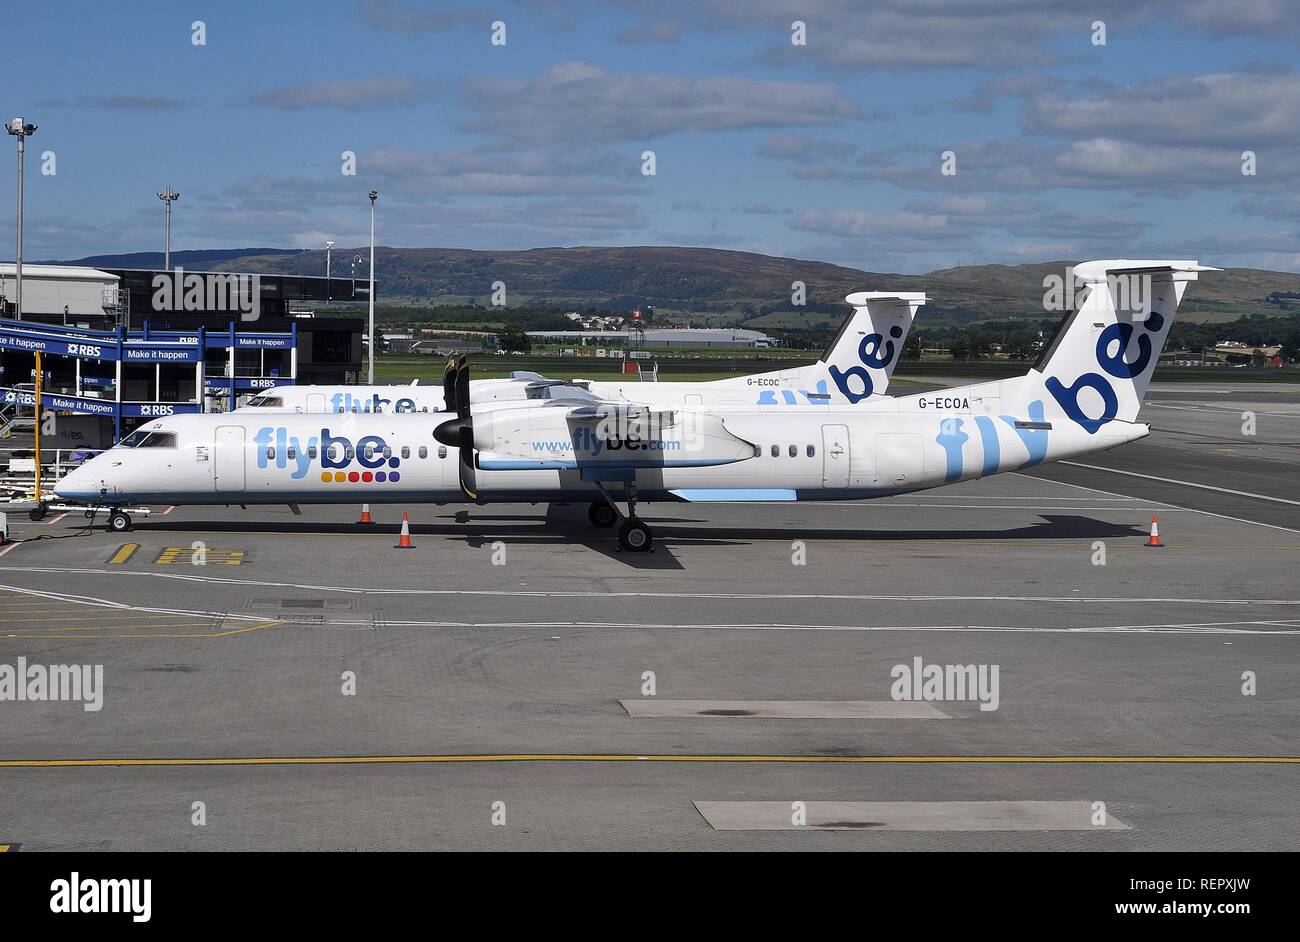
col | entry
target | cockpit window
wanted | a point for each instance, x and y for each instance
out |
(267, 401)
(146, 438)
(159, 440)
(134, 439)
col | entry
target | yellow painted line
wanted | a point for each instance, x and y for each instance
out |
(578, 757)
(4, 848)
(123, 554)
(73, 631)
(173, 555)
(115, 615)
(53, 632)
(6, 610)
(120, 614)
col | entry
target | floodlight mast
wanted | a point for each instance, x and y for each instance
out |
(22, 130)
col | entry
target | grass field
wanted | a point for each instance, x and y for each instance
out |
(716, 365)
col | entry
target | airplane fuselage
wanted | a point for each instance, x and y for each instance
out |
(786, 453)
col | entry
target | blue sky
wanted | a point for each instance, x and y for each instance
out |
(829, 150)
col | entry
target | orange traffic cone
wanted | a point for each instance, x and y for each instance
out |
(1154, 539)
(365, 514)
(404, 542)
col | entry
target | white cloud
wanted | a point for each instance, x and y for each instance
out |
(348, 94)
(580, 101)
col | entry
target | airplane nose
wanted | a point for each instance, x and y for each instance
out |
(67, 484)
(77, 484)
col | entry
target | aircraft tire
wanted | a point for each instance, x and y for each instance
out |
(601, 514)
(635, 537)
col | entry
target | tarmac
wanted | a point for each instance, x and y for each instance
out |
(516, 682)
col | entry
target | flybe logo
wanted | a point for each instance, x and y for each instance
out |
(874, 353)
(346, 402)
(819, 398)
(1116, 364)
(373, 459)
(585, 440)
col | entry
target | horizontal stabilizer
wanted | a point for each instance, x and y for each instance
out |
(1097, 272)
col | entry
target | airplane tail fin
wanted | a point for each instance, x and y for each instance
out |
(1098, 366)
(862, 356)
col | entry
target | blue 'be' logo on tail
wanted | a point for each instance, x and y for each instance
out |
(1117, 366)
(875, 352)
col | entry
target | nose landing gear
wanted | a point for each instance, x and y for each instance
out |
(635, 537)
(118, 522)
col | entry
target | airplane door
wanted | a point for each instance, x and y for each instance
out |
(228, 458)
(315, 402)
(899, 460)
(835, 456)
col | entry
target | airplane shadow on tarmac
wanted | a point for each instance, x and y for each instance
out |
(483, 529)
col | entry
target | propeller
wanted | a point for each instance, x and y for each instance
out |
(459, 432)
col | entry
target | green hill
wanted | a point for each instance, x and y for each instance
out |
(725, 286)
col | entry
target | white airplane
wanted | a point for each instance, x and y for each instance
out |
(1082, 397)
(855, 366)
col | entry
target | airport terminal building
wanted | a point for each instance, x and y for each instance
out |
(128, 345)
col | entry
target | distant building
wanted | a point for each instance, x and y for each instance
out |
(436, 341)
(67, 291)
(397, 343)
(664, 337)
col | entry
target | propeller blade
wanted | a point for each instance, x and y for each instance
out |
(466, 468)
(462, 388)
(449, 385)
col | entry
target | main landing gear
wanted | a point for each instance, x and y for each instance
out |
(602, 514)
(633, 535)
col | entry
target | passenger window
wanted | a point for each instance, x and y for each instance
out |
(369, 452)
(406, 452)
(811, 451)
(270, 452)
(349, 453)
(442, 451)
(758, 451)
(311, 452)
(424, 452)
(388, 452)
(794, 451)
(776, 451)
(291, 453)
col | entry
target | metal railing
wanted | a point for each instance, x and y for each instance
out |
(19, 484)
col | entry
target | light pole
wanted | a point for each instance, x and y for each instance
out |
(168, 196)
(328, 246)
(21, 130)
(371, 371)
